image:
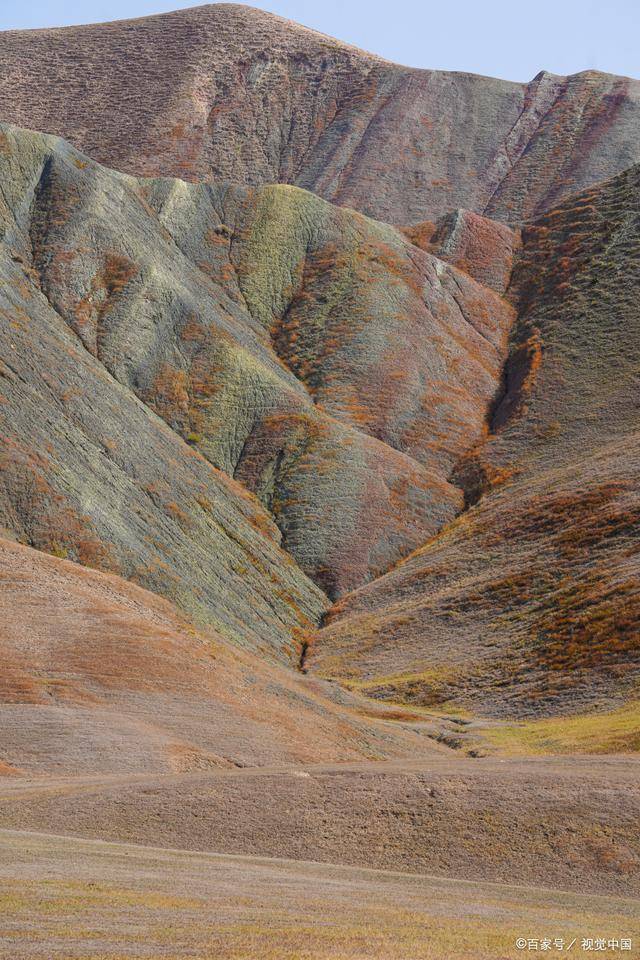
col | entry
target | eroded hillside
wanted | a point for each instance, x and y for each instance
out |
(333, 368)
(530, 600)
(229, 92)
(319, 510)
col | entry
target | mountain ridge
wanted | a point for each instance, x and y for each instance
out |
(245, 96)
(319, 483)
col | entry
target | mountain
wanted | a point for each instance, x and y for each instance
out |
(529, 601)
(229, 92)
(320, 359)
(319, 485)
(91, 473)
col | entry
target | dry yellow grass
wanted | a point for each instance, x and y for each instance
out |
(104, 901)
(613, 731)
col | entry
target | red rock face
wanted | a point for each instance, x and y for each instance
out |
(481, 247)
(232, 93)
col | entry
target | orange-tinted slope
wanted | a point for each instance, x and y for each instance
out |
(530, 601)
(100, 676)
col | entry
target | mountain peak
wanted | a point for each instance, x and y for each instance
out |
(230, 92)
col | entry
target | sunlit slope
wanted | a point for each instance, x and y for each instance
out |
(231, 92)
(529, 602)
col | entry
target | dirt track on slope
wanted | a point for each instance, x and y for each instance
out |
(575, 819)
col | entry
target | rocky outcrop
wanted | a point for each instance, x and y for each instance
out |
(229, 92)
(481, 247)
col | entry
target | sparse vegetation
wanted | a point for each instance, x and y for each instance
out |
(322, 532)
(603, 732)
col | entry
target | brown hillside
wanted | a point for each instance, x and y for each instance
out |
(102, 677)
(530, 601)
(233, 93)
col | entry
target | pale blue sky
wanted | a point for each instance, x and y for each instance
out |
(505, 38)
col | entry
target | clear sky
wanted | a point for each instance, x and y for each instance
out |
(513, 39)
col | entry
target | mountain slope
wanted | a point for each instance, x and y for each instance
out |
(230, 92)
(530, 601)
(102, 677)
(90, 472)
(329, 365)
(346, 376)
